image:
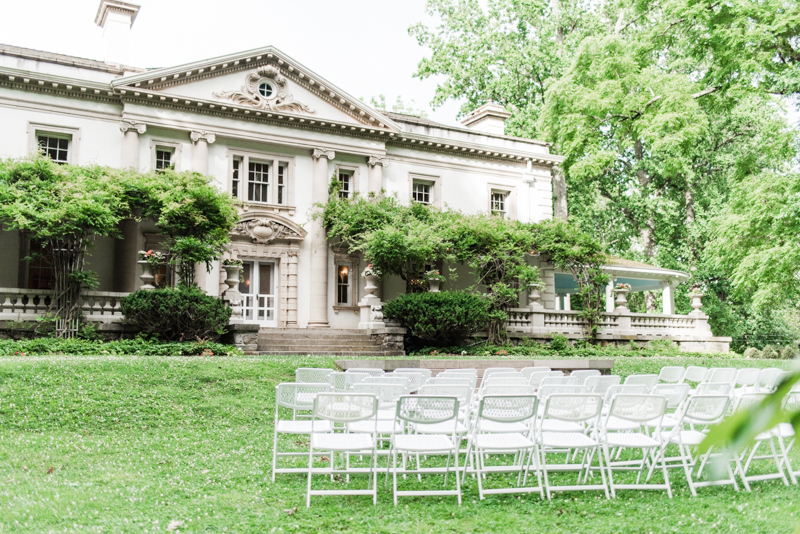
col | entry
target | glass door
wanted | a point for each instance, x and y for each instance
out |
(258, 289)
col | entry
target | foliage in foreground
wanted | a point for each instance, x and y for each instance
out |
(443, 319)
(123, 347)
(180, 314)
(91, 444)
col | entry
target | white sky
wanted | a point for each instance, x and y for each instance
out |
(362, 46)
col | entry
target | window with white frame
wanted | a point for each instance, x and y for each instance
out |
(260, 179)
(345, 183)
(165, 158)
(421, 192)
(499, 203)
(344, 277)
(54, 146)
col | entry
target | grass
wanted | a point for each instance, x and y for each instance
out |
(138, 444)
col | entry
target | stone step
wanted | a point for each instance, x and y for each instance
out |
(290, 337)
(325, 353)
(305, 347)
(312, 331)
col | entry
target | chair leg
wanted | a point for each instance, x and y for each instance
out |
(786, 462)
(455, 473)
(610, 472)
(778, 462)
(310, 465)
(274, 454)
(602, 471)
(479, 472)
(394, 476)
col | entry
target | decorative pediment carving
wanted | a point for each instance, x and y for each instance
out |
(265, 229)
(277, 98)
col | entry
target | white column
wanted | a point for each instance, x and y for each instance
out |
(376, 166)
(201, 140)
(668, 297)
(318, 286)
(610, 305)
(131, 131)
(567, 303)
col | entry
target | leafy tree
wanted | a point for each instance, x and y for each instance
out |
(407, 108)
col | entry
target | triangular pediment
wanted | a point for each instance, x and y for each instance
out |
(263, 80)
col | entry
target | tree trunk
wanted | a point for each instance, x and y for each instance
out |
(689, 206)
(560, 211)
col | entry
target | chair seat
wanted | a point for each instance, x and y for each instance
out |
(631, 440)
(367, 427)
(618, 424)
(341, 442)
(783, 430)
(688, 437)
(555, 425)
(303, 427)
(666, 422)
(567, 440)
(499, 427)
(423, 442)
(504, 441)
(440, 428)
(387, 414)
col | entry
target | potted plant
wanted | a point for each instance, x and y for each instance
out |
(149, 260)
(622, 291)
(434, 278)
(232, 268)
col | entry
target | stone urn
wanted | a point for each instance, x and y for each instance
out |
(371, 284)
(232, 275)
(534, 296)
(433, 285)
(147, 276)
(622, 299)
(696, 301)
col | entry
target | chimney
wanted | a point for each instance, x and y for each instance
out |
(489, 118)
(116, 19)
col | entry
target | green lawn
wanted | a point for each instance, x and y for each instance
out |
(133, 444)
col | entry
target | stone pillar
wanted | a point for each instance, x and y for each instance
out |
(668, 297)
(291, 305)
(318, 305)
(376, 166)
(201, 140)
(125, 256)
(567, 302)
(610, 304)
(131, 131)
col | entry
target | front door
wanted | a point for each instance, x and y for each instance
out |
(258, 288)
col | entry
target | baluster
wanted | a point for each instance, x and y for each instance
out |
(97, 308)
(7, 304)
(108, 309)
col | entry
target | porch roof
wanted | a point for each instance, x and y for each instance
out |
(641, 276)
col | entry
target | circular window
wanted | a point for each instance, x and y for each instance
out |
(265, 89)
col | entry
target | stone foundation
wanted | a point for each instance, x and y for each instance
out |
(707, 345)
(243, 336)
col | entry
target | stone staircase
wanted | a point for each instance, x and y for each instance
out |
(321, 341)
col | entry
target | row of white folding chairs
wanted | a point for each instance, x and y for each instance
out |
(746, 380)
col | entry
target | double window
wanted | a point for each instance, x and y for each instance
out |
(260, 179)
(421, 192)
(165, 155)
(498, 203)
(343, 284)
(58, 143)
(55, 147)
(425, 189)
(164, 158)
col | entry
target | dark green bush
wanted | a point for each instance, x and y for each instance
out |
(441, 319)
(752, 352)
(789, 352)
(123, 347)
(769, 353)
(559, 342)
(181, 314)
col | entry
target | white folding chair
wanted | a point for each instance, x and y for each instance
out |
(502, 389)
(565, 421)
(559, 381)
(721, 374)
(768, 379)
(671, 374)
(676, 394)
(371, 371)
(344, 381)
(700, 412)
(298, 398)
(413, 412)
(714, 388)
(344, 408)
(461, 392)
(785, 434)
(491, 370)
(600, 384)
(637, 409)
(537, 376)
(746, 381)
(463, 371)
(387, 395)
(399, 380)
(749, 454)
(504, 411)
(506, 374)
(583, 374)
(415, 379)
(501, 381)
(425, 371)
(641, 380)
(310, 375)
(528, 371)
(470, 381)
(695, 374)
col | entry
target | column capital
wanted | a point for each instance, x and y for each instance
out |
(125, 125)
(318, 153)
(197, 135)
(373, 161)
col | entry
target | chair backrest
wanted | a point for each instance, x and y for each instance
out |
(768, 378)
(600, 384)
(311, 375)
(470, 381)
(299, 396)
(791, 403)
(424, 371)
(706, 409)
(507, 408)
(507, 390)
(387, 394)
(675, 393)
(488, 372)
(428, 409)
(389, 379)
(721, 374)
(749, 400)
(499, 381)
(714, 388)
(345, 407)
(568, 389)
(582, 374)
(576, 408)
(559, 381)
(638, 408)
(695, 374)
(642, 380)
(415, 379)
(463, 393)
(371, 371)
(464, 371)
(747, 377)
(344, 381)
(527, 371)
(630, 389)
(506, 374)
(537, 376)
(671, 374)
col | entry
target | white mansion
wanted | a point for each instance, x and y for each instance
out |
(272, 132)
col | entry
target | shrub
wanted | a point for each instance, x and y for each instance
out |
(662, 345)
(442, 319)
(181, 314)
(123, 347)
(752, 353)
(769, 353)
(559, 342)
(789, 352)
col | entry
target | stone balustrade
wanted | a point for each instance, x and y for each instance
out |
(28, 304)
